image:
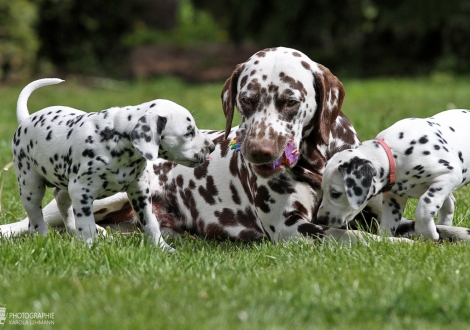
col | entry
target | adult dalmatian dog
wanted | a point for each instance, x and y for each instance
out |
(414, 158)
(282, 96)
(88, 156)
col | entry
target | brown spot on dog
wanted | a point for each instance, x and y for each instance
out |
(191, 184)
(209, 191)
(224, 145)
(124, 214)
(179, 181)
(296, 54)
(233, 166)
(162, 169)
(248, 219)
(281, 185)
(262, 199)
(235, 196)
(189, 202)
(243, 81)
(292, 219)
(254, 85)
(300, 207)
(249, 235)
(305, 65)
(201, 171)
(226, 217)
(298, 213)
(311, 230)
(215, 231)
(294, 84)
(272, 88)
(101, 211)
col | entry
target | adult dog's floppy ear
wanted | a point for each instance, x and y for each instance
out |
(228, 95)
(358, 176)
(329, 97)
(146, 135)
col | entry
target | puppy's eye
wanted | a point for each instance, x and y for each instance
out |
(292, 102)
(335, 194)
(191, 133)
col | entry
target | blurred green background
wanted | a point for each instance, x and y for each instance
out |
(395, 58)
(201, 40)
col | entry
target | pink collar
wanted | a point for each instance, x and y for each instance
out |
(391, 161)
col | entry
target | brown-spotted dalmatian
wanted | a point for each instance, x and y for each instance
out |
(282, 96)
(88, 156)
(431, 158)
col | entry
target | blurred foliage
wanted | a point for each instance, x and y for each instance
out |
(85, 36)
(352, 37)
(193, 27)
(417, 36)
(95, 37)
(18, 41)
(360, 37)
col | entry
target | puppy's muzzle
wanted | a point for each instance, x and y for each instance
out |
(203, 155)
(331, 221)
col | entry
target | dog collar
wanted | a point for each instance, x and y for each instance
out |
(393, 167)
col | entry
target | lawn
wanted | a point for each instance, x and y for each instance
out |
(123, 283)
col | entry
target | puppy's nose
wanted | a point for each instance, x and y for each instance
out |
(322, 220)
(211, 147)
(262, 152)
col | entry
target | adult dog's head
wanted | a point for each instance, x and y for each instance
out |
(281, 95)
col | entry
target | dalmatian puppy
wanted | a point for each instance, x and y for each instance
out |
(431, 160)
(89, 156)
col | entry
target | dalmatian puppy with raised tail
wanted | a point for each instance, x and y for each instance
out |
(418, 158)
(89, 156)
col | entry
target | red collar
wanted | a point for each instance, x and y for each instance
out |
(391, 161)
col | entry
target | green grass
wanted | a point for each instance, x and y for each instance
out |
(123, 283)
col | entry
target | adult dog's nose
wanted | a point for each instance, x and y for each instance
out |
(263, 151)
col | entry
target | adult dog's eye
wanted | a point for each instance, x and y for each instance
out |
(335, 194)
(247, 101)
(292, 102)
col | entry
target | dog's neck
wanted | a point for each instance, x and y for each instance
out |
(377, 155)
(124, 121)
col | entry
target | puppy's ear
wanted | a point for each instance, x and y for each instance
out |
(358, 176)
(146, 135)
(228, 95)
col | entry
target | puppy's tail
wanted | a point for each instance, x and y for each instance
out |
(22, 106)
